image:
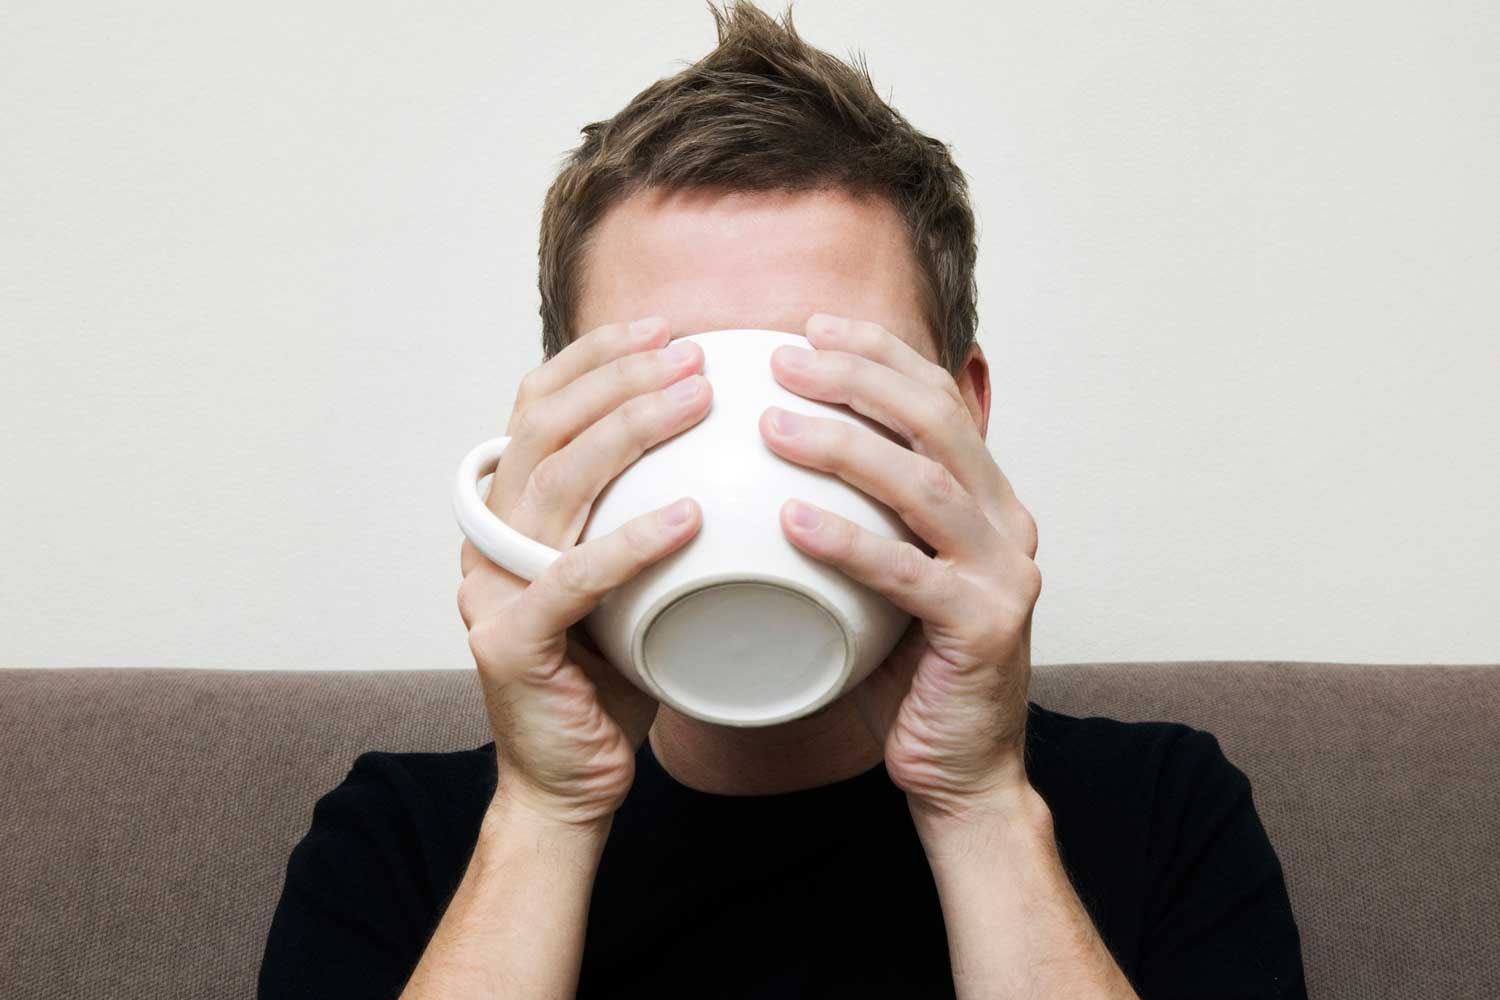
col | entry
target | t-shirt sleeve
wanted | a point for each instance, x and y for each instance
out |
(1218, 921)
(361, 895)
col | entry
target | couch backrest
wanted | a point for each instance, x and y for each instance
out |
(148, 813)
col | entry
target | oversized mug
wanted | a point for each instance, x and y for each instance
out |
(738, 626)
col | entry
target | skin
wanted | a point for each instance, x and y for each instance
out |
(946, 711)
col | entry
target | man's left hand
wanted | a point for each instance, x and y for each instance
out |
(949, 704)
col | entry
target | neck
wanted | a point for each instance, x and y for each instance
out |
(830, 745)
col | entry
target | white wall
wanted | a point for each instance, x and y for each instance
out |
(268, 270)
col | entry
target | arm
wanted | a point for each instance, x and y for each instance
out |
(357, 916)
(949, 703)
(1218, 922)
(1016, 927)
(515, 925)
(567, 724)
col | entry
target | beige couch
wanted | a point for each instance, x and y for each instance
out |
(148, 814)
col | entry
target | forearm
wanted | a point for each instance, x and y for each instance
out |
(515, 925)
(1016, 927)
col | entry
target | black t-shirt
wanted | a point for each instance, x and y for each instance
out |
(821, 892)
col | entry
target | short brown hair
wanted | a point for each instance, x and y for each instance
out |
(765, 111)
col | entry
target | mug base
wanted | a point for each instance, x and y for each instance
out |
(744, 653)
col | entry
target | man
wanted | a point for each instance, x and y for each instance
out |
(931, 833)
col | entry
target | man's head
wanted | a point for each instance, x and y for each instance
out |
(765, 182)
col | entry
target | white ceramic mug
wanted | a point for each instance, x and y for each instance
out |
(738, 626)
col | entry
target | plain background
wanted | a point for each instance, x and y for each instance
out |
(268, 270)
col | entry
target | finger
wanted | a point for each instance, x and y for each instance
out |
(880, 376)
(932, 502)
(597, 347)
(546, 425)
(484, 587)
(905, 575)
(580, 577)
(948, 601)
(931, 420)
(873, 341)
(557, 499)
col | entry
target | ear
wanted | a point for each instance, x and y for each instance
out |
(973, 381)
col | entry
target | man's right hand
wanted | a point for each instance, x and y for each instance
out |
(567, 724)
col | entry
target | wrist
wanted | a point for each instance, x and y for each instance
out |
(1010, 819)
(510, 821)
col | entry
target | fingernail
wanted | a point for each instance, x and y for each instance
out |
(804, 516)
(786, 422)
(794, 357)
(677, 351)
(642, 325)
(678, 513)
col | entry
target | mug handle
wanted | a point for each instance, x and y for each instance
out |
(502, 544)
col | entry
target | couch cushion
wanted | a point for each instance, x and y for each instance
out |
(1380, 789)
(149, 813)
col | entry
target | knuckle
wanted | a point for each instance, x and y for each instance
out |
(838, 437)
(1031, 581)
(932, 420)
(908, 564)
(573, 572)
(955, 410)
(1018, 602)
(639, 367)
(482, 646)
(493, 647)
(638, 418)
(837, 540)
(529, 387)
(1016, 616)
(833, 444)
(838, 366)
(549, 477)
(937, 418)
(938, 484)
(864, 336)
(640, 539)
(1026, 532)
(525, 423)
(946, 413)
(467, 599)
(617, 332)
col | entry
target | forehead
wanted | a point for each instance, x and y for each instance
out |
(713, 260)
